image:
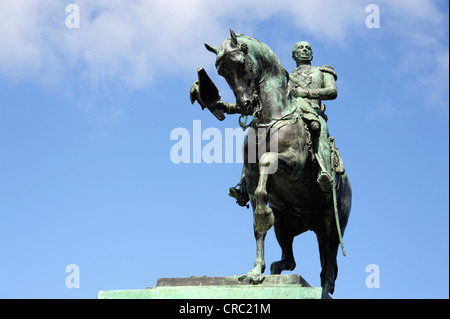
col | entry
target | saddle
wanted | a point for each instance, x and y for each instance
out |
(311, 124)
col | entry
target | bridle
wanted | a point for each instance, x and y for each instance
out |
(255, 107)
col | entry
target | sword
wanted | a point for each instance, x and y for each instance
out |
(336, 212)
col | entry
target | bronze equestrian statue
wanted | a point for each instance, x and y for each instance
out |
(297, 181)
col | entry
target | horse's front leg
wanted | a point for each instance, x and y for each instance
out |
(256, 275)
(263, 218)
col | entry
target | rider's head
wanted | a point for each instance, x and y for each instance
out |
(302, 52)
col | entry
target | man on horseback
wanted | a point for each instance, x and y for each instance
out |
(314, 84)
(290, 107)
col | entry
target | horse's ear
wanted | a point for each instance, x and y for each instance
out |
(233, 37)
(212, 48)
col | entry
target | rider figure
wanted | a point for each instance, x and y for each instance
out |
(313, 84)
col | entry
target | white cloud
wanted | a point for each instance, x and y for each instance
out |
(329, 20)
(422, 33)
(18, 50)
(126, 43)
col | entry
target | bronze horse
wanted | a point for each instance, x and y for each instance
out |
(281, 182)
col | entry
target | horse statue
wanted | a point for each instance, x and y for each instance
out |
(281, 180)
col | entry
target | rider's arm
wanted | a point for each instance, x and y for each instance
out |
(231, 108)
(329, 90)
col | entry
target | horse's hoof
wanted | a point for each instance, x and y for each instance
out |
(256, 275)
(275, 268)
(325, 294)
(278, 266)
(255, 278)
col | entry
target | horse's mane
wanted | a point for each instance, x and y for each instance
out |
(261, 55)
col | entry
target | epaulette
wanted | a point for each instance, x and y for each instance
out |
(328, 69)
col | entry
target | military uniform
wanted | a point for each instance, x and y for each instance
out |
(317, 84)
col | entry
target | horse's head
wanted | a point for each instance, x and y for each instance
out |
(238, 66)
(253, 72)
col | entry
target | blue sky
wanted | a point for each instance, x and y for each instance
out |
(86, 115)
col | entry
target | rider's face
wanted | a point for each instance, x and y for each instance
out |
(303, 52)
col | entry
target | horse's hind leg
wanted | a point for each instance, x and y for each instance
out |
(328, 238)
(286, 228)
(328, 248)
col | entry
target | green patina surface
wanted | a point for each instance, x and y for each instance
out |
(311, 190)
(216, 292)
(235, 287)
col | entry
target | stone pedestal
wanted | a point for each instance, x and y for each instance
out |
(273, 287)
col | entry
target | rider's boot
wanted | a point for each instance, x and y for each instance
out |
(239, 192)
(325, 180)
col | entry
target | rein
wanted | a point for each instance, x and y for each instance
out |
(291, 116)
(257, 108)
